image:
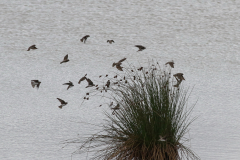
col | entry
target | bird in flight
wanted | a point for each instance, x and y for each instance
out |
(84, 38)
(171, 63)
(70, 84)
(65, 59)
(90, 83)
(110, 41)
(179, 76)
(32, 47)
(140, 47)
(118, 64)
(82, 79)
(63, 103)
(35, 83)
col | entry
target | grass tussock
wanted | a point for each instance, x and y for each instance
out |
(151, 121)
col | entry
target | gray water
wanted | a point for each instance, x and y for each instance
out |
(202, 37)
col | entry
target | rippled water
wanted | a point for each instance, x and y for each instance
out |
(202, 37)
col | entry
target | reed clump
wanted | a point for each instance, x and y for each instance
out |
(149, 118)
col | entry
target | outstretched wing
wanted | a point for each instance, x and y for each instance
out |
(32, 83)
(122, 60)
(66, 57)
(61, 101)
(89, 81)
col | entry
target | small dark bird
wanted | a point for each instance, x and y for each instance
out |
(32, 47)
(35, 83)
(65, 59)
(140, 47)
(108, 84)
(63, 103)
(171, 64)
(90, 83)
(110, 41)
(118, 64)
(82, 79)
(140, 68)
(179, 76)
(117, 107)
(70, 84)
(84, 38)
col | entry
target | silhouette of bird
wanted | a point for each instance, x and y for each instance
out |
(118, 64)
(32, 47)
(179, 76)
(35, 83)
(65, 59)
(171, 63)
(117, 107)
(110, 41)
(63, 103)
(84, 38)
(82, 79)
(70, 84)
(140, 47)
(90, 83)
(161, 139)
(108, 84)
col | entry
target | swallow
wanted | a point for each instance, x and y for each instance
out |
(110, 41)
(179, 76)
(140, 47)
(90, 83)
(161, 139)
(63, 103)
(117, 107)
(70, 84)
(35, 83)
(82, 79)
(108, 84)
(32, 47)
(171, 64)
(118, 64)
(84, 38)
(65, 59)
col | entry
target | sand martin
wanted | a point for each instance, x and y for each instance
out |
(32, 47)
(65, 59)
(35, 83)
(140, 47)
(84, 38)
(70, 84)
(63, 103)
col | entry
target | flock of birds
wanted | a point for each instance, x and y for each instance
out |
(179, 76)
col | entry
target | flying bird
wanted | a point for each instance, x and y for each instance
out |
(70, 84)
(32, 47)
(35, 83)
(117, 107)
(179, 76)
(118, 64)
(82, 79)
(65, 59)
(63, 103)
(140, 47)
(108, 84)
(90, 83)
(84, 38)
(171, 63)
(110, 41)
(161, 139)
